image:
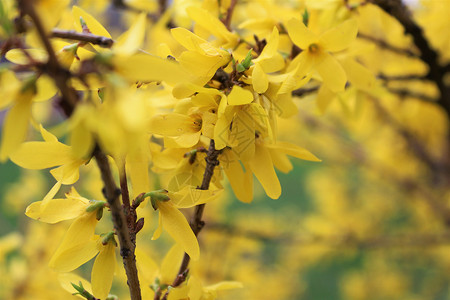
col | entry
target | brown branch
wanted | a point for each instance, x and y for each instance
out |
(402, 92)
(385, 45)
(197, 223)
(406, 77)
(227, 20)
(305, 91)
(102, 41)
(68, 102)
(436, 72)
(127, 247)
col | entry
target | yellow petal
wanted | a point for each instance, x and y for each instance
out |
(103, 271)
(94, 26)
(358, 75)
(46, 135)
(143, 67)
(18, 56)
(324, 98)
(206, 20)
(332, 73)
(173, 124)
(158, 230)
(260, 81)
(171, 264)
(10, 87)
(80, 232)
(280, 161)
(339, 37)
(241, 181)
(225, 285)
(45, 87)
(299, 34)
(262, 167)
(56, 210)
(66, 280)
(68, 173)
(176, 225)
(187, 39)
(239, 96)
(72, 257)
(137, 164)
(15, 125)
(130, 41)
(41, 155)
(189, 197)
(146, 265)
(293, 150)
(242, 135)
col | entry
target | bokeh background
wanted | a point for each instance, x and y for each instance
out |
(368, 222)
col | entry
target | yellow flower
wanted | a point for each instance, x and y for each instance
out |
(48, 154)
(316, 50)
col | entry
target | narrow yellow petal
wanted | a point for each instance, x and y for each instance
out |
(358, 75)
(260, 81)
(171, 263)
(189, 197)
(241, 181)
(56, 210)
(147, 267)
(293, 150)
(332, 73)
(94, 26)
(68, 173)
(176, 225)
(324, 98)
(79, 233)
(137, 164)
(299, 34)
(103, 271)
(15, 125)
(187, 39)
(280, 161)
(41, 155)
(144, 67)
(158, 230)
(239, 96)
(262, 167)
(130, 41)
(71, 258)
(173, 124)
(66, 280)
(339, 37)
(46, 135)
(18, 56)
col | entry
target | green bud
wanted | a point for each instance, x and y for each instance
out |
(99, 214)
(247, 62)
(240, 68)
(108, 237)
(95, 204)
(305, 16)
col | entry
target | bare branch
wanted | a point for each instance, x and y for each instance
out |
(197, 223)
(102, 41)
(436, 73)
(385, 45)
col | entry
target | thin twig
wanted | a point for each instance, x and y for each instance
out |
(197, 223)
(102, 41)
(406, 77)
(68, 102)
(385, 45)
(227, 20)
(402, 92)
(305, 91)
(127, 247)
(429, 56)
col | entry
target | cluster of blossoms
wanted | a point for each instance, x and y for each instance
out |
(203, 107)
